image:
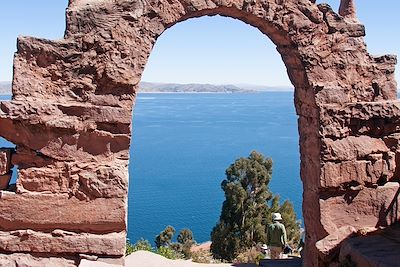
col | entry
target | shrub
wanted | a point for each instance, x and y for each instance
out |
(203, 256)
(141, 244)
(169, 253)
(165, 237)
(251, 255)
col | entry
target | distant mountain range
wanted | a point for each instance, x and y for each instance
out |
(5, 88)
(147, 87)
(188, 88)
(206, 88)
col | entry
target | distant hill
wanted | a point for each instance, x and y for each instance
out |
(147, 87)
(265, 88)
(5, 88)
(189, 88)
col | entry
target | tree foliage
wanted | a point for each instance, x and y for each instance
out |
(182, 248)
(185, 241)
(164, 239)
(185, 236)
(141, 244)
(247, 208)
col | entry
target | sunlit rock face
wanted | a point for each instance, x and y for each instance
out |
(70, 118)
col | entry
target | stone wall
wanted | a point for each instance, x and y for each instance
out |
(70, 118)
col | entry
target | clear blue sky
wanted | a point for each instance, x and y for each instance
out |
(204, 50)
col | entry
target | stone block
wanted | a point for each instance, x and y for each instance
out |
(63, 242)
(47, 212)
(336, 23)
(82, 181)
(367, 118)
(368, 207)
(338, 174)
(5, 160)
(352, 148)
(5, 181)
(375, 169)
(329, 246)
(378, 249)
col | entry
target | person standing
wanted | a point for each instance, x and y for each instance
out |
(276, 236)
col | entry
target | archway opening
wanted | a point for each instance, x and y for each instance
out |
(183, 142)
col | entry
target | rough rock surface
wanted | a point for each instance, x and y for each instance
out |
(330, 245)
(5, 168)
(380, 248)
(70, 116)
(28, 260)
(63, 242)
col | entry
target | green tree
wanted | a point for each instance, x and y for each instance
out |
(247, 208)
(165, 237)
(246, 195)
(186, 241)
(185, 236)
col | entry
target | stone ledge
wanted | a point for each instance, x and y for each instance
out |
(368, 207)
(84, 181)
(329, 247)
(352, 148)
(47, 212)
(63, 242)
(379, 249)
(369, 118)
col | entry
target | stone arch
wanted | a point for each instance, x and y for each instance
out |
(70, 118)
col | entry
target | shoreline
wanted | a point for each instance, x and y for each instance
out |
(241, 92)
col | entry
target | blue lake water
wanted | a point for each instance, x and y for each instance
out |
(182, 144)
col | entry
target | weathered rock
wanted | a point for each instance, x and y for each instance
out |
(365, 207)
(84, 181)
(352, 148)
(347, 172)
(28, 260)
(373, 170)
(347, 9)
(375, 119)
(329, 247)
(5, 160)
(377, 249)
(63, 242)
(47, 212)
(4, 181)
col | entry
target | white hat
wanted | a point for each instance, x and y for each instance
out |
(276, 217)
(264, 247)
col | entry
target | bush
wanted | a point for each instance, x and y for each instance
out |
(251, 255)
(141, 244)
(203, 256)
(165, 237)
(169, 253)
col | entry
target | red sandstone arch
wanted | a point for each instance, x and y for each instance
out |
(70, 118)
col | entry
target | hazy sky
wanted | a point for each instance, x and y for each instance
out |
(204, 50)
